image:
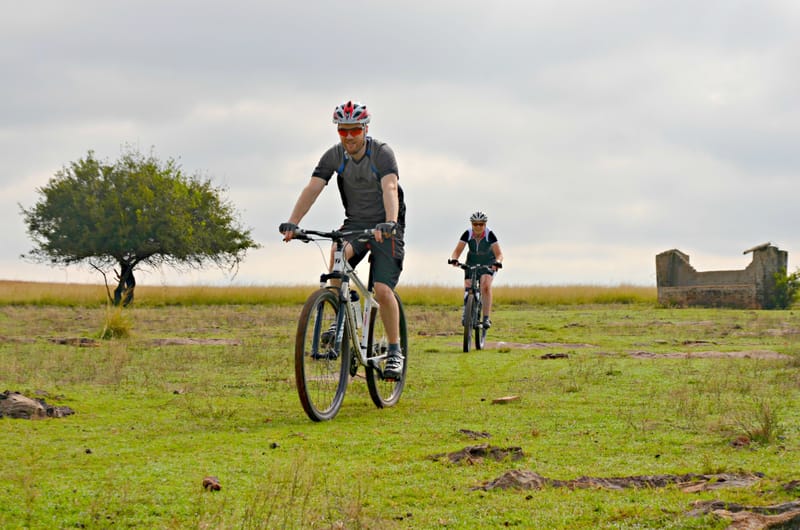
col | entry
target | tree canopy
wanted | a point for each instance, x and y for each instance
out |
(133, 212)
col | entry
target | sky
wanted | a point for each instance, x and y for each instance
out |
(594, 134)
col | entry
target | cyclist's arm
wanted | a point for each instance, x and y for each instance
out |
(307, 198)
(457, 251)
(498, 254)
(391, 201)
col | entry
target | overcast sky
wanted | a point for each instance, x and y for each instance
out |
(594, 134)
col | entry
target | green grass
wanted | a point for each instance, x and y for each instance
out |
(153, 419)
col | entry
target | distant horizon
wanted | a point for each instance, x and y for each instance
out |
(291, 285)
(278, 263)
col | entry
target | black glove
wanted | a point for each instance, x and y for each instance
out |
(388, 228)
(451, 261)
(497, 265)
(287, 227)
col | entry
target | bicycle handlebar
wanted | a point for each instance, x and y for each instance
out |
(466, 267)
(335, 235)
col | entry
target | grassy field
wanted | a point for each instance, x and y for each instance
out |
(70, 294)
(206, 387)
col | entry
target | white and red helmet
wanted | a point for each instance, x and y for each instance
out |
(351, 112)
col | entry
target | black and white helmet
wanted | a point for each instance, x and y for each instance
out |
(478, 217)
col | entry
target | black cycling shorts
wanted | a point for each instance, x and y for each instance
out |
(386, 258)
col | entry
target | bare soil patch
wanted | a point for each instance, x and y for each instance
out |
(535, 345)
(785, 515)
(745, 354)
(177, 341)
(16, 340)
(475, 434)
(85, 342)
(477, 453)
(690, 482)
(554, 356)
(82, 342)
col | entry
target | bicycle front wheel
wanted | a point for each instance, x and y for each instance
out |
(321, 373)
(385, 393)
(469, 321)
(480, 331)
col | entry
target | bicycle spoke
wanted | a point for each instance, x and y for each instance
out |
(320, 371)
(469, 321)
(385, 393)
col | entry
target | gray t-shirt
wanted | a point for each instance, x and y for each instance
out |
(360, 181)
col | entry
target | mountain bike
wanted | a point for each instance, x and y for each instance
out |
(473, 306)
(339, 329)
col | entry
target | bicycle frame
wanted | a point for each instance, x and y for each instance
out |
(474, 277)
(473, 305)
(343, 271)
(346, 274)
(474, 280)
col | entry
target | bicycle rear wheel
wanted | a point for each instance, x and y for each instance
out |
(321, 373)
(469, 321)
(385, 393)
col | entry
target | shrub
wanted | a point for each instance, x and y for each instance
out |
(116, 325)
(761, 422)
(787, 288)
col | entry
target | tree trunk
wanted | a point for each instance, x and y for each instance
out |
(123, 294)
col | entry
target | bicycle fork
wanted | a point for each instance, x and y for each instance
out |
(477, 307)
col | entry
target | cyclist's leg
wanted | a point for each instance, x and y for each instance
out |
(387, 263)
(486, 297)
(486, 293)
(385, 391)
(389, 312)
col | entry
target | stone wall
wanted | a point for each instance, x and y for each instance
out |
(751, 288)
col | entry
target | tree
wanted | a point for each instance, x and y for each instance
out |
(135, 212)
(786, 290)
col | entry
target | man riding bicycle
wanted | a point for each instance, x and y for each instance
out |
(483, 250)
(367, 178)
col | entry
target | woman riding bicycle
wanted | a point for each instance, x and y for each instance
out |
(483, 250)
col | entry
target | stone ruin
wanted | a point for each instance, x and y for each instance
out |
(679, 284)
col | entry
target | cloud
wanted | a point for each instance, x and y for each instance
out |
(595, 134)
